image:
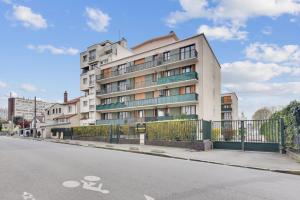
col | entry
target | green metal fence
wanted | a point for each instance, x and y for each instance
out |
(260, 135)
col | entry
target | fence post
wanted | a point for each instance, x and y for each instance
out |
(242, 135)
(282, 136)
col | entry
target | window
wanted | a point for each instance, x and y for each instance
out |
(107, 116)
(84, 81)
(140, 113)
(123, 115)
(187, 69)
(188, 110)
(170, 73)
(187, 89)
(154, 57)
(122, 99)
(166, 56)
(59, 110)
(122, 69)
(164, 93)
(154, 77)
(187, 52)
(92, 54)
(84, 58)
(70, 109)
(53, 111)
(48, 112)
(93, 66)
(107, 101)
(122, 85)
(85, 103)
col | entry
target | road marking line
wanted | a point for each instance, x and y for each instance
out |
(148, 197)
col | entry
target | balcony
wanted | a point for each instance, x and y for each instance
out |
(144, 119)
(92, 58)
(111, 121)
(177, 78)
(126, 87)
(150, 64)
(148, 102)
(226, 109)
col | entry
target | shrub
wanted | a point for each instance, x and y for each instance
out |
(87, 131)
(175, 130)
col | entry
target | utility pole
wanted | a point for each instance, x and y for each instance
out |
(34, 119)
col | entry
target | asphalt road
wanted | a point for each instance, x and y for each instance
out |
(36, 170)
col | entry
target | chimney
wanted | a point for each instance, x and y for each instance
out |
(65, 97)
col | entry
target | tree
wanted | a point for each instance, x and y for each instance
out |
(21, 122)
(291, 117)
(262, 114)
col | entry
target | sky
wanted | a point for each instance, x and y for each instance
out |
(257, 42)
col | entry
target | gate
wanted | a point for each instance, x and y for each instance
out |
(114, 134)
(248, 135)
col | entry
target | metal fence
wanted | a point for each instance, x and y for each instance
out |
(258, 131)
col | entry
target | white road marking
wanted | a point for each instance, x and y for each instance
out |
(148, 197)
(71, 184)
(92, 178)
(88, 183)
(28, 196)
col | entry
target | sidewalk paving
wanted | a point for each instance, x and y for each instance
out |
(256, 160)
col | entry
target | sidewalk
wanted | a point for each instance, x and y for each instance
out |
(255, 160)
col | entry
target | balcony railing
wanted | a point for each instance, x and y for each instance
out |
(126, 87)
(160, 81)
(154, 63)
(177, 78)
(226, 109)
(144, 119)
(146, 102)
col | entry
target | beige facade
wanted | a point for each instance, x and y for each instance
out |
(61, 115)
(229, 106)
(163, 78)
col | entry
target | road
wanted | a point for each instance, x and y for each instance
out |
(38, 170)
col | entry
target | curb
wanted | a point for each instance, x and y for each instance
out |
(291, 172)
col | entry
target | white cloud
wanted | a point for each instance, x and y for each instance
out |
(267, 30)
(28, 18)
(288, 54)
(235, 11)
(3, 85)
(28, 87)
(97, 20)
(222, 32)
(247, 71)
(53, 50)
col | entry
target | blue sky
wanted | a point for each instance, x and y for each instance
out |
(258, 46)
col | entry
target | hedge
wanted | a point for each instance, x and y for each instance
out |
(179, 130)
(88, 131)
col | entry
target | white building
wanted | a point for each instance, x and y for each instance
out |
(229, 106)
(90, 60)
(21, 107)
(160, 79)
(3, 114)
(61, 115)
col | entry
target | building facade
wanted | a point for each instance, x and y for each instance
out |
(229, 106)
(90, 60)
(3, 114)
(61, 115)
(21, 107)
(163, 78)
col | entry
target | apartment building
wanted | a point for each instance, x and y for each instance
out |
(90, 60)
(21, 107)
(61, 115)
(229, 106)
(3, 114)
(162, 78)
